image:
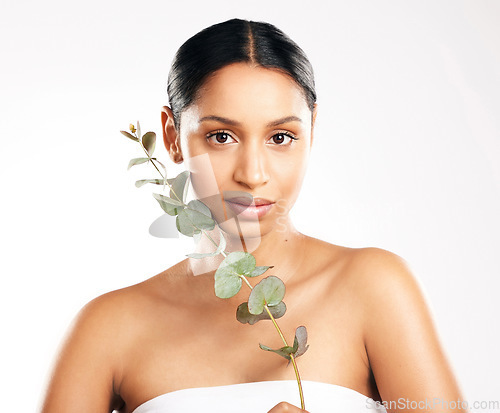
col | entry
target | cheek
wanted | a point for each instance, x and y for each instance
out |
(288, 179)
(208, 175)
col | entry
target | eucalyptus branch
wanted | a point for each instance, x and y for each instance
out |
(194, 218)
(292, 356)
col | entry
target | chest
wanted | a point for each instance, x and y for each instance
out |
(186, 347)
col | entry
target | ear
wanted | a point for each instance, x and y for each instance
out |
(171, 138)
(314, 113)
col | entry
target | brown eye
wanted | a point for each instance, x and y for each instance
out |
(283, 139)
(279, 138)
(220, 137)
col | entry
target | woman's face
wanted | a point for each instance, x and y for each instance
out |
(248, 135)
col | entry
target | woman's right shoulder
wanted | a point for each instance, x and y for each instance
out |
(127, 304)
(97, 342)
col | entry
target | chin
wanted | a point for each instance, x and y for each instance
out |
(243, 234)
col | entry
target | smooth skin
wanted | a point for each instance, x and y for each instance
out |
(369, 326)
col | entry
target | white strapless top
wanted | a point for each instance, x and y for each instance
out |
(260, 397)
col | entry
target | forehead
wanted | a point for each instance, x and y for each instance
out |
(250, 93)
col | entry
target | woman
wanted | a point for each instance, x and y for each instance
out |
(241, 116)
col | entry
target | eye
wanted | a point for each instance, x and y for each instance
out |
(220, 137)
(283, 139)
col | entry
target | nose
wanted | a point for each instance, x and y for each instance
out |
(251, 168)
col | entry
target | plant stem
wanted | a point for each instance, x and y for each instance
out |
(164, 178)
(246, 281)
(299, 382)
(292, 358)
(278, 329)
(276, 325)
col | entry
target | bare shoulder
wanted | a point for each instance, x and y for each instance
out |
(125, 304)
(371, 269)
(379, 270)
(92, 354)
(385, 284)
(403, 346)
(374, 278)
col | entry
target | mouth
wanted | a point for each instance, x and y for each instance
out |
(247, 202)
(247, 206)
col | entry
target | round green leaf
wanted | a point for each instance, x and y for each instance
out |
(200, 220)
(244, 316)
(184, 224)
(270, 291)
(227, 284)
(199, 206)
(239, 262)
(190, 221)
(300, 345)
(149, 142)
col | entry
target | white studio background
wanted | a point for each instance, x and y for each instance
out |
(406, 158)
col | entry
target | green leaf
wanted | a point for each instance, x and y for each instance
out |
(199, 219)
(283, 351)
(227, 283)
(244, 316)
(168, 200)
(270, 291)
(170, 206)
(179, 187)
(259, 271)
(227, 276)
(300, 345)
(220, 248)
(199, 206)
(142, 182)
(136, 161)
(138, 130)
(129, 135)
(149, 142)
(170, 209)
(239, 262)
(190, 221)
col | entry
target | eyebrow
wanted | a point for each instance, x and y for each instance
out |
(231, 122)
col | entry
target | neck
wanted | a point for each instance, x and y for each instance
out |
(280, 247)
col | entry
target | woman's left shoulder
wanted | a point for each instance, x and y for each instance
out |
(372, 273)
(399, 333)
(379, 272)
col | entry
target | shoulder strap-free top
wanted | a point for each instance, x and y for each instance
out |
(260, 397)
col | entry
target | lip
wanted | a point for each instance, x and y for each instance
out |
(245, 207)
(249, 201)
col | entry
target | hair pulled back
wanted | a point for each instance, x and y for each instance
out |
(234, 41)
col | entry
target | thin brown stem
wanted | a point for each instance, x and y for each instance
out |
(163, 177)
